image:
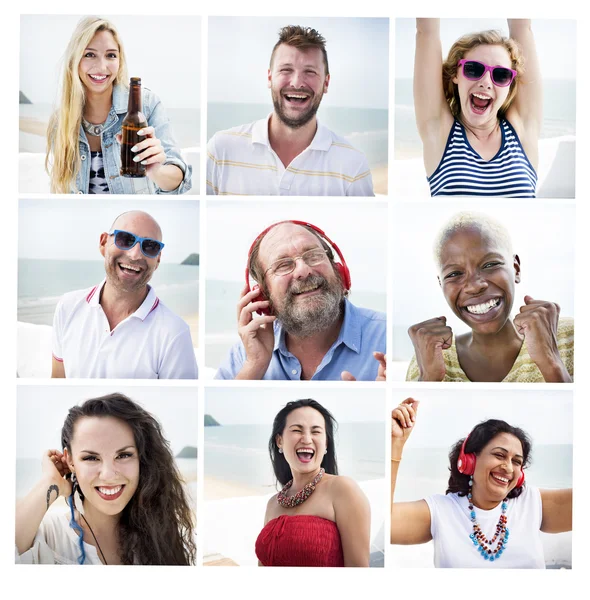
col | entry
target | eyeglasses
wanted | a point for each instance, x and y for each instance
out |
(125, 240)
(474, 70)
(284, 266)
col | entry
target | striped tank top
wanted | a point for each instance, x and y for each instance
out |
(462, 171)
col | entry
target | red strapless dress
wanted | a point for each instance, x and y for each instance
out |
(300, 541)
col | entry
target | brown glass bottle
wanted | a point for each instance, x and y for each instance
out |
(134, 121)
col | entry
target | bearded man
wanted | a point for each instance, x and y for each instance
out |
(309, 329)
(119, 329)
(289, 153)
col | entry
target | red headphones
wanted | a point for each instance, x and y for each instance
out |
(466, 464)
(341, 267)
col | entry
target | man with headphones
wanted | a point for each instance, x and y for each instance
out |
(308, 329)
(289, 153)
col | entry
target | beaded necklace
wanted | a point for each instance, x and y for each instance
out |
(483, 545)
(302, 495)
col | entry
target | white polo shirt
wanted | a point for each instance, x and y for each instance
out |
(151, 343)
(240, 161)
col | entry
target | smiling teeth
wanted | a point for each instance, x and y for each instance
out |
(110, 491)
(130, 267)
(500, 478)
(98, 77)
(481, 309)
(308, 288)
(305, 451)
(481, 96)
(301, 97)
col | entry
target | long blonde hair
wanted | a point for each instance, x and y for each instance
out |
(64, 124)
(458, 51)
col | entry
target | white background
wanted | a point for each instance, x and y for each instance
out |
(35, 582)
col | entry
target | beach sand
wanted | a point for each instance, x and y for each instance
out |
(34, 126)
(193, 322)
(380, 182)
(218, 489)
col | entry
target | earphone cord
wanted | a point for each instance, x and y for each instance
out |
(97, 544)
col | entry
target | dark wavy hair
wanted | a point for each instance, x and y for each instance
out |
(478, 439)
(156, 527)
(280, 465)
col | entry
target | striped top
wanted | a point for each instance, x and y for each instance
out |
(241, 162)
(462, 171)
(524, 370)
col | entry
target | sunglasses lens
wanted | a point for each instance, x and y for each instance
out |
(151, 248)
(124, 240)
(502, 76)
(473, 69)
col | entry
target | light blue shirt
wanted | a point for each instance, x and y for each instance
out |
(111, 149)
(361, 334)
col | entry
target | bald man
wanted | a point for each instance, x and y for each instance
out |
(119, 329)
(314, 331)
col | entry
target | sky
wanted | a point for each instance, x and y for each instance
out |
(549, 35)
(41, 410)
(70, 229)
(541, 236)
(358, 57)
(247, 406)
(361, 236)
(163, 50)
(446, 415)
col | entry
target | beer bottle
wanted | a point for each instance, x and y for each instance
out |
(134, 121)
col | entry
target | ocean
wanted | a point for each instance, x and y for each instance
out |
(186, 123)
(221, 330)
(239, 454)
(41, 283)
(559, 115)
(365, 128)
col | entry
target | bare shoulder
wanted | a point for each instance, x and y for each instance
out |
(346, 489)
(271, 509)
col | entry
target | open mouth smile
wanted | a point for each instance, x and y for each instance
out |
(500, 479)
(109, 492)
(482, 312)
(129, 269)
(296, 98)
(480, 103)
(305, 455)
(98, 78)
(482, 309)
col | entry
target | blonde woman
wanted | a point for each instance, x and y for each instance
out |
(83, 136)
(480, 122)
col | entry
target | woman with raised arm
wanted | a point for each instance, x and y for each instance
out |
(477, 273)
(489, 515)
(126, 500)
(479, 112)
(319, 518)
(84, 133)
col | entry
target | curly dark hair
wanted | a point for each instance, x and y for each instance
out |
(478, 439)
(156, 527)
(280, 465)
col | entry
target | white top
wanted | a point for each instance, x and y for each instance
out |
(151, 343)
(56, 543)
(241, 161)
(450, 525)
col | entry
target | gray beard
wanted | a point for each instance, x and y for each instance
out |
(302, 321)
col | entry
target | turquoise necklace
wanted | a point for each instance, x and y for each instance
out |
(481, 543)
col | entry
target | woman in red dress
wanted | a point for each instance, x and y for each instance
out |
(318, 519)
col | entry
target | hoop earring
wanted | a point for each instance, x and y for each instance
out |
(76, 487)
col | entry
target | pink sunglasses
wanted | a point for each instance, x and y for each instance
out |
(474, 70)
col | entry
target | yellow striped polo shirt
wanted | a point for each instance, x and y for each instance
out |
(524, 370)
(241, 162)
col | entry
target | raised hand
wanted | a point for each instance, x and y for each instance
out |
(381, 371)
(537, 321)
(55, 468)
(430, 338)
(256, 333)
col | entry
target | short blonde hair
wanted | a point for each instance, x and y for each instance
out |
(64, 124)
(458, 51)
(485, 224)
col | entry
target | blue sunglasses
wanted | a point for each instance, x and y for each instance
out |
(125, 240)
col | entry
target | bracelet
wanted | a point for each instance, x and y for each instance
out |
(397, 460)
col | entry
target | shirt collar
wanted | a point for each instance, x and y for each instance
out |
(322, 140)
(147, 306)
(350, 332)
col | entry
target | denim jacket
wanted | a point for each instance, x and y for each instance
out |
(111, 150)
